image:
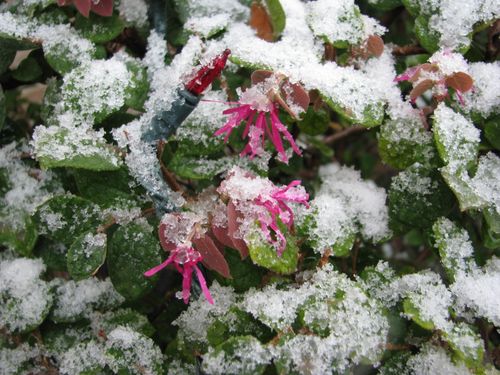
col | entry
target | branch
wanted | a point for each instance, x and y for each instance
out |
(344, 133)
(411, 49)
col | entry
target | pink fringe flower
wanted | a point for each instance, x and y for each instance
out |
(439, 74)
(252, 198)
(258, 108)
(100, 7)
(182, 235)
(276, 207)
(185, 259)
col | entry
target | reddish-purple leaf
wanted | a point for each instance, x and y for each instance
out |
(83, 6)
(221, 234)
(103, 8)
(419, 89)
(212, 257)
(259, 76)
(299, 95)
(233, 226)
(261, 22)
(460, 81)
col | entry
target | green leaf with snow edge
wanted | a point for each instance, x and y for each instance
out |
(132, 250)
(413, 312)
(64, 217)
(110, 320)
(417, 197)
(466, 344)
(78, 148)
(372, 115)
(99, 29)
(198, 168)
(264, 254)
(17, 231)
(454, 246)
(277, 15)
(137, 91)
(406, 142)
(86, 255)
(130, 352)
(244, 274)
(457, 139)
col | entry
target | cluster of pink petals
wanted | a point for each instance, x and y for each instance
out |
(277, 207)
(190, 248)
(267, 204)
(185, 260)
(428, 76)
(100, 7)
(258, 125)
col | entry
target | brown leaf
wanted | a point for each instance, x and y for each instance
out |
(233, 226)
(212, 257)
(261, 22)
(419, 89)
(298, 95)
(259, 76)
(375, 45)
(460, 81)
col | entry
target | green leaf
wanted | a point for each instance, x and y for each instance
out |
(132, 250)
(58, 147)
(244, 274)
(414, 313)
(314, 122)
(492, 132)
(128, 350)
(53, 254)
(236, 323)
(277, 15)
(28, 70)
(105, 188)
(86, 255)
(137, 91)
(8, 48)
(65, 217)
(417, 197)
(429, 39)
(17, 231)
(198, 168)
(385, 5)
(99, 29)
(403, 143)
(466, 344)
(265, 255)
(126, 318)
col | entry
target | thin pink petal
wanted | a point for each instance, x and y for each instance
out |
(203, 285)
(159, 267)
(186, 282)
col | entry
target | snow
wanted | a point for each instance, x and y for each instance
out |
(458, 137)
(130, 350)
(26, 298)
(363, 201)
(434, 360)
(82, 357)
(193, 322)
(134, 12)
(74, 300)
(485, 97)
(478, 291)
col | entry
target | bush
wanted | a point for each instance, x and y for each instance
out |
(249, 187)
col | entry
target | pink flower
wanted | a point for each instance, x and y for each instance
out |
(185, 259)
(182, 235)
(438, 75)
(276, 207)
(100, 7)
(253, 198)
(258, 108)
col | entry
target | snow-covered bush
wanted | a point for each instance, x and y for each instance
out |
(249, 187)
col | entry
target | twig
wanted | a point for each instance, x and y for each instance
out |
(324, 258)
(390, 346)
(344, 133)
(411, 49)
